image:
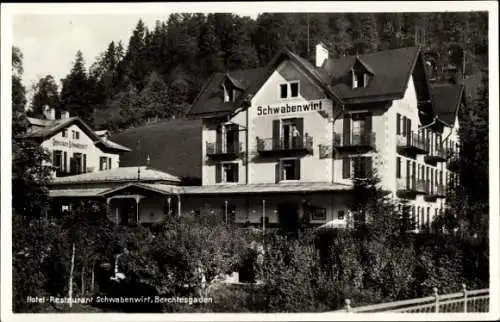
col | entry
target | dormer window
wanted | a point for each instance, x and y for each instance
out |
(361, 74)
(359, 79)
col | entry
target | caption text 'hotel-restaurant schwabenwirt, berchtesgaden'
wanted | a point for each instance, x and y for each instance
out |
(280, 144)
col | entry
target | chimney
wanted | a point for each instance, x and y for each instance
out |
(321, 54)
(64, 115)
(49, 113)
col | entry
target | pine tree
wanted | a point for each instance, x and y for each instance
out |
(46, 93)
(75, 94)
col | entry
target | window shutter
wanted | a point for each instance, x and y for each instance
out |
(398, 167)
(368, 170)
(408, 127)
(299, 123)
(218, 139)
(413, 171)
(297, 170)
(368, 127)
(53, 157)
(404, 126)
(109, 163)
(236, 172)
(101, 165)
(218, 173)
(347, 129)
(84, 163)
(408, 169)
(65, 160)
(276, 134)
(398, 124)
(277, 170)
(346, 168)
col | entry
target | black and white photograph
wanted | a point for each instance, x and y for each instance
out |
(273, 161)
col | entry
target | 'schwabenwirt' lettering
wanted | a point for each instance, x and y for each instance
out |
(284, 109)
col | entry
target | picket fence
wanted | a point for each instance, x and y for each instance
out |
(465, 301)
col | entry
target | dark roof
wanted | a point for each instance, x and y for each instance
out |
(173, 147)
(48, 128)
(391, 69)
(447, 99)
(210, 100)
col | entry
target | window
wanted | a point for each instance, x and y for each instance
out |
(288, 169)
(284, 91)
(103, 164)
(357, 129)
(76, 163)
(357, 167)
(64, 133)
(341, 214)
(57, 159)
(289, 90)
(75, 135)
(294, 89)
(226, 172)
(358, 79)
(227, 139)
(398, 167)
(319, 213)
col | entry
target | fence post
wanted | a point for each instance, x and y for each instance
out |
(348, 305)
(436, 299)
(464, 287)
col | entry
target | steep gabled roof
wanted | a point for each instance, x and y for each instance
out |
(391, 69)
(48, 128)
(317, 75)
(210, 100)
(447, 99)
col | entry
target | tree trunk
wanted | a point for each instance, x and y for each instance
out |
(92, 281)
(83, 280)
(70, 292)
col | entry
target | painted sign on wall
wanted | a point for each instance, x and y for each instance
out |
(312, 106)
(68, 144)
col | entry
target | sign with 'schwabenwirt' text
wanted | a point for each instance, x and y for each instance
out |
(311, 106)
(69, 144)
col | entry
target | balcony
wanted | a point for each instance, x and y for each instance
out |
(412, 144)
(300, 145)
(436, 155)
(357, 141)
(223, 152)
(409, 188)
(432, 193)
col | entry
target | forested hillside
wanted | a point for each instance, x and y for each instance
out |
(159, 72)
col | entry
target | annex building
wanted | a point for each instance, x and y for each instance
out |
(282, 144)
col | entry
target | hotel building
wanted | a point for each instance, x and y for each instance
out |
(282, 144)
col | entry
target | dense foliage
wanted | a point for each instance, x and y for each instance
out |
(158, 74)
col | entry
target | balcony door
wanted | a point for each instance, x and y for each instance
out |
(227, 140)
(288, 133)
(357, 128)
